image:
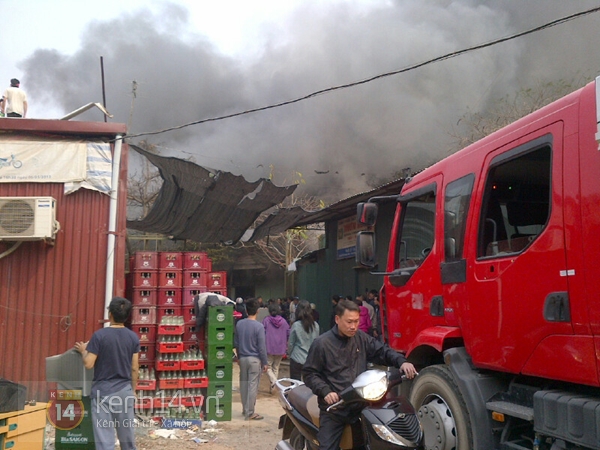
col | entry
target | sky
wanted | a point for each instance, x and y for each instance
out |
(195, 60)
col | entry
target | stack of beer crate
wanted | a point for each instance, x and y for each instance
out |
(172, 369)
(219, 352)
(144, 298)
(173, 386)
(164, 285)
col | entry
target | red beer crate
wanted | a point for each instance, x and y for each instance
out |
(170, 260)
(171, 330)
(201, 382)
(144, 296)
(176, 383)
(195, 261)
(195, 279)
(169, 297)
(209, 265)
(189, 315)
(143, 315)
(160, 403)
(145, 279)
(144, 261)
(197, 364)
(146, 333)
(170, 279)
(167, 365)
(222, 292)
(167, 401)
(188, 294)
(167, 311)
(144, 403)
(192, 400)
(217, 280)
(170, 347)
(189, 334)
(147, 353)
(146, 385)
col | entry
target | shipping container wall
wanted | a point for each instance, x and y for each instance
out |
(53, 295)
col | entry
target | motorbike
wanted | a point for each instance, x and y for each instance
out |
(387, 421)
(12, 161)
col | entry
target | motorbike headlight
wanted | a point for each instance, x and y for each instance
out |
(389, 436)
(375, 390)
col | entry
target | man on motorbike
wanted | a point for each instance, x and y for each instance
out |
(334, 360)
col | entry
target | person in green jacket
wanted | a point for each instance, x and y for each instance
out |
(303, 332)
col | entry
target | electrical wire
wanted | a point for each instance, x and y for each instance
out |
(445, 57)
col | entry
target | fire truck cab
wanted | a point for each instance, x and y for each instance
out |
(492, 284)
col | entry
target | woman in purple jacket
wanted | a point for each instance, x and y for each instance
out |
(277, 331)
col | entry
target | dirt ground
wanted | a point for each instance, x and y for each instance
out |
(235, 434)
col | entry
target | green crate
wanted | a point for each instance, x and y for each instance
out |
(219, 353)
(82, 436)
(220, 373)
(219, 335)
(220, 315)
(221, 391)
(219, 411)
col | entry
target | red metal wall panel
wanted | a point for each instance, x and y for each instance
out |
(53, 296)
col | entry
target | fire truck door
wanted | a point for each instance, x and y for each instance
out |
(518, 300)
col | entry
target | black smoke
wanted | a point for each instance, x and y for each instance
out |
(353, 135)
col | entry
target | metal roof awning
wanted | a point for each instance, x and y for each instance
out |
(218, 207)
(347, 206)
(279, 221)
(203, 205)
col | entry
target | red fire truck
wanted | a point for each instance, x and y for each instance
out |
(492, 284)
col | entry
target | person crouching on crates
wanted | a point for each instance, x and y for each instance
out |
(201, 304)
(113, 353)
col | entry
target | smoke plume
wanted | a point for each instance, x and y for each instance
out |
(353, 135)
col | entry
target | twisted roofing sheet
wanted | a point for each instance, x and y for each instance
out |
(203, 205)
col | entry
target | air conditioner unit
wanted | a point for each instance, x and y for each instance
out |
(27, 218)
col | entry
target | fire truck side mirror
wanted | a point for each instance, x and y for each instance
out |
(365, 248)
(366, 213)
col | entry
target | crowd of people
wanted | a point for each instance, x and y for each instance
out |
(327, 362)
(266, 333)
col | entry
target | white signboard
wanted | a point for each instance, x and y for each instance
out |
(346, 237)
(42, 161)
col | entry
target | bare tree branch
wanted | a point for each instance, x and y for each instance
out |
(473, 126)
(292, 244)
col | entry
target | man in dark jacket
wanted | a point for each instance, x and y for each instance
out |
(334, 360)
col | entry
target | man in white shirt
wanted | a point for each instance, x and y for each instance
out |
(15, 100)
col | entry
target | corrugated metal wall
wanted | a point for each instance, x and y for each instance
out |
(318, 281)
(53, 296)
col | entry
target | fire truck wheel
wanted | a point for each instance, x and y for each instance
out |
(441, 410)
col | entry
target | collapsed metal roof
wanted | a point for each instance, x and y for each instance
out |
(205, 205)
(218, 207)
(347, 206)
(285, 218)
(279, 221)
